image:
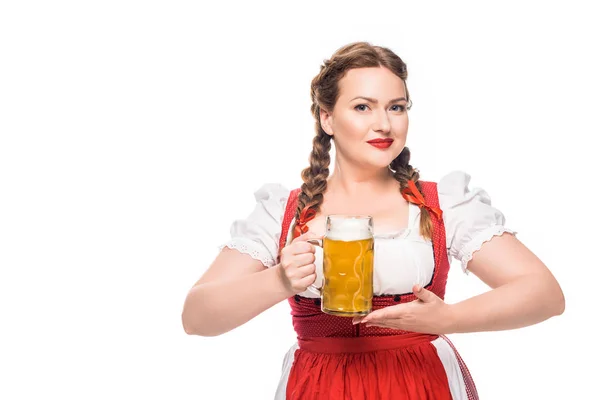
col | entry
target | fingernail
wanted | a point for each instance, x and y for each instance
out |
(368, 325)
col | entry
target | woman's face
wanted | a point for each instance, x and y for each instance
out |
(371, 106)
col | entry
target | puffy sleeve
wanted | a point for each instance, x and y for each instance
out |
(468, 215)
(258, 234)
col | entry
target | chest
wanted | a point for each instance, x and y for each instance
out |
(390, 213)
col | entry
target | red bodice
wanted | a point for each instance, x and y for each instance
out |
(307, 317)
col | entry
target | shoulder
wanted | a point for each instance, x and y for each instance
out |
(453, 183)
(454, 192)
(271, 201)
(469, 217)
(258, 233)
(454, 189)
(450, 188)
(272, 191)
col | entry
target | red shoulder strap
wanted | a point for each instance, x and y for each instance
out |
(429, 190)
(442, 264)
(288, 216)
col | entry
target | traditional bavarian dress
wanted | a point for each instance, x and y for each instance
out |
(334, 359)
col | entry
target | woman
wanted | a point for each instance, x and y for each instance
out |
(399, 350)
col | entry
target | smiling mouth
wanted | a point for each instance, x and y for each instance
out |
(381, 143)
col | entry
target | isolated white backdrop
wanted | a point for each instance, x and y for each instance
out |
(133, 134)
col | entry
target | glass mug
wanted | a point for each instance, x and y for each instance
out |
(348, 253)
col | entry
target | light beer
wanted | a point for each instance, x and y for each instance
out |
(348, 266)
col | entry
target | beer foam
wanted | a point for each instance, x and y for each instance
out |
(348, 230)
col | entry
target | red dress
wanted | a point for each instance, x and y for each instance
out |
(339, 360)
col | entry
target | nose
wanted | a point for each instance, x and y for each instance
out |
(381, 122)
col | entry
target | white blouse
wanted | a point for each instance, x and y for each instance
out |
(401, 258)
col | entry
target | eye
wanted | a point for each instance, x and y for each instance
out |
(360, 105)
(401, 107)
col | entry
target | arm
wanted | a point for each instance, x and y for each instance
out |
(234, 289)
(524, 291)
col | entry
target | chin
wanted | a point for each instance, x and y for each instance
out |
(379, 162)
(385, 158)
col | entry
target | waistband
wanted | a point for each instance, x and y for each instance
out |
(363, 344)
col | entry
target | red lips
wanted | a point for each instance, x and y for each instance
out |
(381, 143)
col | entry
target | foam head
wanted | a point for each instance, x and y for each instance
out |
(348, 229)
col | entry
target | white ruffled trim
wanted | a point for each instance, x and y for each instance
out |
(251, 248)
(466, 253)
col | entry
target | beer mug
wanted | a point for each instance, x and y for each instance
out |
(348, 252)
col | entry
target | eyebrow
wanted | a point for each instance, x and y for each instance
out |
(375, 100)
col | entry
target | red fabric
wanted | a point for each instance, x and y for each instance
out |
(363, 343)
(411, 193)
(366, 373)
(365, 368)
(305, 216)
(309, 321)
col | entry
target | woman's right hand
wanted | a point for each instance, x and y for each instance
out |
(296, 264)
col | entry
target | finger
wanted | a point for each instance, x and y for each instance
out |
(305, 236)
(301, 260)
(306, 270)
(374, 316)
(357, 320)
(301, 248)
(297, 248)
(390, 312)
(423, 294)
(307, 280)
(385, 325)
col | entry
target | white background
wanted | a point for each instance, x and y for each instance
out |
(133, 133)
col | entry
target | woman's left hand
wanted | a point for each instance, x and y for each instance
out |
(427, 314)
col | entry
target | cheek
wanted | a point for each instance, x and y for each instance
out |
(401, 126)
(353, 128)
(350, 124)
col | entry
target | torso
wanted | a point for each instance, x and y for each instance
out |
(402, 256)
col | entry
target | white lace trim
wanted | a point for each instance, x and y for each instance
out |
(251, 248)
(466, 254)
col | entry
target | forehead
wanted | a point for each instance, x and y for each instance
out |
(376, 82)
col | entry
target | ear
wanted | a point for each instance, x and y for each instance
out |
(326, 122)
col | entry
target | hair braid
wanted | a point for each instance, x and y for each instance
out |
(315, 176)
(403, 172)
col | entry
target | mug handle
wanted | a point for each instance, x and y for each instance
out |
(312, 288)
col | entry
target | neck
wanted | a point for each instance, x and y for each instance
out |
(353, 180)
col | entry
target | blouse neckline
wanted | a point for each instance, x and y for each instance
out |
(404, 232)
(413, 213)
